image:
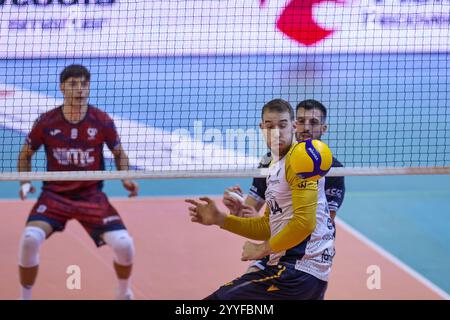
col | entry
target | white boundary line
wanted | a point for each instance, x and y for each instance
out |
(427, 283)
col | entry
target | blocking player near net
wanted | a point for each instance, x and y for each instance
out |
(73, 135)
(311, 123)
(288, 226)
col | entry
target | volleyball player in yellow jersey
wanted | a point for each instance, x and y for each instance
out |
(285, 229)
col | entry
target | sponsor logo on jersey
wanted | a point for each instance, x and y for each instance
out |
(303, 185)
(335, 192)
(74, 156)
(309, 185)
(327, 255)
(328, 236)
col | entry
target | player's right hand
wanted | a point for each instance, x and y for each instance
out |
(234, 205)
(26, 188)
(205, 212)
(132, 187)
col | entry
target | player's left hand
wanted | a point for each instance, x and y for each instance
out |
(131, 186)
(248, 212)
(232, 203)
(255, 251)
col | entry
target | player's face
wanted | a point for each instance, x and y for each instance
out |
(76, 91)
(278, 129)
(309, 124)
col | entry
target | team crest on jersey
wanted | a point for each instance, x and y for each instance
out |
(92, 132)
(74, 133)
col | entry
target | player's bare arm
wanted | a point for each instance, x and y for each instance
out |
(332, 215)
(24, 165)
(123, 163)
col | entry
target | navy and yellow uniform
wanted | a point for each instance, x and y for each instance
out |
(302, 241)
(335, 189)
(334, 186)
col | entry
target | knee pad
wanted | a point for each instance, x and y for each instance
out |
(30, 243)
(122, 244)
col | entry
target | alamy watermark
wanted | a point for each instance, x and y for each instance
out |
(212, 148)
(374, 280)
(73, 281)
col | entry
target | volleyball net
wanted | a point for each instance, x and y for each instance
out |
(185, 81)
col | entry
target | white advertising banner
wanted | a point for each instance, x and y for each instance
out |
(95, 28)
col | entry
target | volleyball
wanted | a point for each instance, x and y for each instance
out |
(311, 159)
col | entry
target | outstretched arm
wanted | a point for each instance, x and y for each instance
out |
(207, 213)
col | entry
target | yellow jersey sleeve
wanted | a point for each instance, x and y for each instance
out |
(257, 228)
(304, 206)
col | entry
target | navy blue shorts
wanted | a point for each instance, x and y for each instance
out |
(281, 282)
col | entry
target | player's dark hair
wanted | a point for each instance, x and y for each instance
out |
(75, 71)
(311, 104)
(278, 105)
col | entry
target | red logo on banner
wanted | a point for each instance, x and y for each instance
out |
(297, 21)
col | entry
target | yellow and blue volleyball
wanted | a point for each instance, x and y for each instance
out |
(311, 159)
